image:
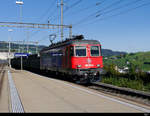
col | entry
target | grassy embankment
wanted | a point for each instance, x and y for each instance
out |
(135, 80)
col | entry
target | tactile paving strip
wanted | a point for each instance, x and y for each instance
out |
(16, 104)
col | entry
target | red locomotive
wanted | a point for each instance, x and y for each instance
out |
(80, 59)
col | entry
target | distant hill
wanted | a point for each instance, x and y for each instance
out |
(19, 47)
(32, 49)
(108, 52)
(140, 60)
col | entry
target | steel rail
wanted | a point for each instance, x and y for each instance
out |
(124, 91)
(2, 73)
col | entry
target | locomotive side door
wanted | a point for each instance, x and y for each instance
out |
(68, 54)
(67, 57)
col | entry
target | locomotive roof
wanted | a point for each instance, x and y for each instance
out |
(84, 42)
(77, 42)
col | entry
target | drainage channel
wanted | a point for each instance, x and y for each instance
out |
(16, 105)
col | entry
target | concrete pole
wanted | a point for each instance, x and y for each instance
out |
(21, 64)
(20, 13)
(23, 44)
(70, 31)
(62, 33)
(27, 45)
(9, 55)
(20, 3)
(36, 47)
(10, 30)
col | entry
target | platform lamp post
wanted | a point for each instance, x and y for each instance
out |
(20, 3)
(10, 30)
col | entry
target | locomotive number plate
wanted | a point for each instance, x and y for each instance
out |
(89, 65)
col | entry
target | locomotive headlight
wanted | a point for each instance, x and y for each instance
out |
(98, 65)
(79, 66)
(95, 74)
(85, 74)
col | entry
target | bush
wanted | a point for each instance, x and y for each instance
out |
(135, 79)
(124, 82)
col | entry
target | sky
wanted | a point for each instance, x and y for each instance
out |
(119, 25)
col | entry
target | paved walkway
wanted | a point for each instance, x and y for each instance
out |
(41, 94)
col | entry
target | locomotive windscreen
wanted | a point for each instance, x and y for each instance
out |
(95, 51)
(80, 51)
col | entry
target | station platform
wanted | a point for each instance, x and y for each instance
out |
(42, 94)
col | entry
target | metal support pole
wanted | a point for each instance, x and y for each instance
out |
(20, 3)
(20, 13)
(21, 60)
(19, 48)
(62, 33)
(10, 30)
(27, 48)
(37, 48)
(9, 55)
(70, 31)
(21, 64)
(27, 41)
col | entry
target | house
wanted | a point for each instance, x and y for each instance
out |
(122, 70)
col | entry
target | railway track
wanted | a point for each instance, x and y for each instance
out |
(2, 74)
(126, 93)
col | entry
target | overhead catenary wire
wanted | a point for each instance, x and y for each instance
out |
(120, 7)
(42, 16)
(79, 1)
(56, 33)
(93, 14)
(46, 37)
(48, 10)
(71, 6)
(89, 7)
(107, 10)
(100, 12)
(117, 14)
(126, 11)
(49, 18)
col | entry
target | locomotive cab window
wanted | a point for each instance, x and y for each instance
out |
(80, 51)
(71, 51)
(95, 51)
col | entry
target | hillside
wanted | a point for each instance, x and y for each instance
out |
(32, 49)
(19, 47)
(108, 52)
(141, 60)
